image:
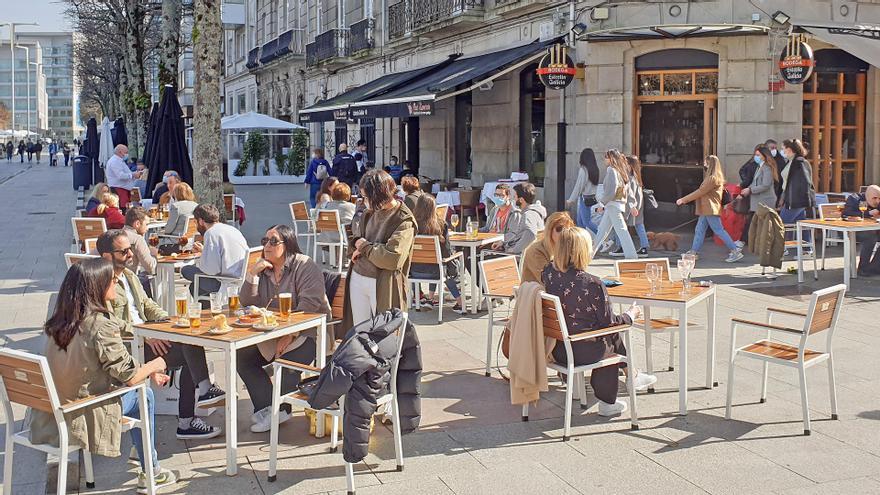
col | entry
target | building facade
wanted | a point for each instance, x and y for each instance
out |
(450, 85)
(61, 91)
(31, 102)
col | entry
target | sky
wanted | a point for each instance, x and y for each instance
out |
(48, 13)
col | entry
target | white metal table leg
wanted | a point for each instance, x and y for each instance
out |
(800, 258)
(710, 341)
(321, 357)
(847, 258)
(231, 414)
(649, 353)
(474, 302)
(682, 362)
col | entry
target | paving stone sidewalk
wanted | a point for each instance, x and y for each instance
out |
(472, 440)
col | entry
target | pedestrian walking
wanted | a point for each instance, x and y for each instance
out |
(38, 150)
(616, 202)
(319, 169)
(798, 193)
(637, 218)
(584, 192)
(761, 189)
(22, 148)
(345, 167)
(30, 151)
(53, 150)
(9, 148)
(708, 199)
(66, 152)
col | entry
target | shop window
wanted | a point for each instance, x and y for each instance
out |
(532, 99)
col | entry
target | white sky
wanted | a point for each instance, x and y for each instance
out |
(48, 13)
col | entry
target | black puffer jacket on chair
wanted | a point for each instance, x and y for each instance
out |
(360, 370)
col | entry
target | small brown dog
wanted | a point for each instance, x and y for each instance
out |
(663, 241)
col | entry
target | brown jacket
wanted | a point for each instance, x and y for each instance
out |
(391, 257)
(529, 349)
(767, 237)
(94, 363)
(707, 196)
(535, 258)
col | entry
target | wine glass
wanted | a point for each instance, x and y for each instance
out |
(684, 272)
(863, 207)
(454, 220)
(652, 272)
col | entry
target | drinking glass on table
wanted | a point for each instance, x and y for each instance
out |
(195, 317)
(285, 302)
(216, 303)
(154, 240)
(180, 303)
(863, 207)
(232, 297)
(685, 272)
(454, 220)
(652, 272)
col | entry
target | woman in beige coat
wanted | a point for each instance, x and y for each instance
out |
(87, 357)
(708, 200)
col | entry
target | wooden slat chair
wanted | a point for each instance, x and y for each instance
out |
(26, 379)
(135, 195)
(299, 400)
(327, 221)
(72, 258)
(303, 225)
(636, 268)
(556, 328)
(829, 210)
(87, 228)
(229, 205)
(841, 197)
(500, 278)
(91, 246)
(442, 210)
(254, 254)
(426, 251)
(821, 316)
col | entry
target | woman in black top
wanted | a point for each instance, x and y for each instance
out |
(586, 307)
(798, 195)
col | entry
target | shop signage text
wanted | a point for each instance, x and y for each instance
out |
(556, 69)
(797, 61)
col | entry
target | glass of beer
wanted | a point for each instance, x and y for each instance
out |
(216, 303)
(195, 317)
(232, 297)
(180, 301)
(154, 240)
(285, 302)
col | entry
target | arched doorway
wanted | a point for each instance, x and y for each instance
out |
(834, 121)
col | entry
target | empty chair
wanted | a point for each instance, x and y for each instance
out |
(500, 277)
(426, 251)
(830, 210)
(821, 316)
(229, 205)
(87, 228)
(303, 225)
(330, 233)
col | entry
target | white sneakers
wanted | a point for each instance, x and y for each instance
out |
(734, 256)
(644, 380)
(606, 409)
(740, 244)
(262, 419)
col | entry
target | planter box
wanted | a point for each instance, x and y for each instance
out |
(274, 176)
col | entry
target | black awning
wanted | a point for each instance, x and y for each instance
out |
(268, 52)
(283, 47)
(671, 31)
(252, 58)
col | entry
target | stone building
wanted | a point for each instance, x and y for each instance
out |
(450, 84)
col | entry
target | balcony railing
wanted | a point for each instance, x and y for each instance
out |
(362, 35)
(420, 15)
(328, 45)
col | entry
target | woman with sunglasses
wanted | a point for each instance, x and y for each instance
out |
(283, 268)
(539, 254)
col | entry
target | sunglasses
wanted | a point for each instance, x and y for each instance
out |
(122, 251)
(272, 241)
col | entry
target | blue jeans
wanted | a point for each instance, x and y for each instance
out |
(313, 192)
(583, 217)
(130, 408)
(713, 221)
(791, 216)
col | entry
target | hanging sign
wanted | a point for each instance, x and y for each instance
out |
(556, 69)
(797, 61)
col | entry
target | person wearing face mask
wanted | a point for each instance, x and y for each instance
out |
(798, 194)
(761, 189)
(584, 192)
(319, 169)
(395, 169)
(501, 212)
(523, 223)
(119, 177)
(780, 163)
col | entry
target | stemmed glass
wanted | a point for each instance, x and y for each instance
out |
(684, 270)
(652, 272)
(454, 220)
(863, 207)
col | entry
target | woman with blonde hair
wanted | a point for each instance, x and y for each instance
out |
(617, 201)
(97, 192)
(109, 211)
(586, 307)
(183, 206)
(539, 253)
(708, 199)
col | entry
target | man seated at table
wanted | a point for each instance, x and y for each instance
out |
(143, 256)
(224, 251)
(867, 266)
(134, 308)
(169, 179)
(523, 222)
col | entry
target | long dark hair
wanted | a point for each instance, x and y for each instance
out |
(288, 236)
(81, 295)
(635, 165)
(795, 145)
(427, 219)
(378, 187)
(588, 161)
(768, 160)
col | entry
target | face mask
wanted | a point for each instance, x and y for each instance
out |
(393, 163)
(125, 157)
(165, 179)
(773, 152)
(759, 160)
(498, 200)
(786, 155)
(314, 156)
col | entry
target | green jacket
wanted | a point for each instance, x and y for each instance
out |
(767, 237)
(147, 308)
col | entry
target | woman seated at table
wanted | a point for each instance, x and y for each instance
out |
(87, 357)
(324, 194)
(283, 268)
(586, 306)
(340, 201)
(97, 193)
(183, 205)
(109, 211)
(539, 253)
(429, 223)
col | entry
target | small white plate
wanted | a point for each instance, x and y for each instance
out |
(180, 325)
(266, 328)
(217, 331)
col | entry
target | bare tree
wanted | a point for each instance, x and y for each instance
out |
(207, 38)
(169, 47)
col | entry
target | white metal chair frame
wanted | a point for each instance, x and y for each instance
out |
(494, 291)
(792, 228)
(71, 259)
(16, 385)
(191, 229)
(324, 216)
(826, 234)
(551, 307)
(436, 258)
(80, 242)
(307, 231)
(815, 320)
(296, 399)
(234, 281)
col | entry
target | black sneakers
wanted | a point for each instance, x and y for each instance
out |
(212, 397)
(197, 430)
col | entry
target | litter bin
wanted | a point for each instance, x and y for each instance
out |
(82, 172)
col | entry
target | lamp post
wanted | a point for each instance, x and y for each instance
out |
(27, 58)
(36, 90)
(12, 59)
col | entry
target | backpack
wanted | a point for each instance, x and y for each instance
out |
(321, 172)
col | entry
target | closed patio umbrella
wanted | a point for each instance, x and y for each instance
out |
(120, 135)
(166, 146)
(90, 148)
(105, 149)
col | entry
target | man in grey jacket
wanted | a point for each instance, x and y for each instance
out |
(524, 223)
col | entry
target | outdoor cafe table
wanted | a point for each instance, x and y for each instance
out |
(845, 227)
(165, 278)
(460, 240)
(668, 295)
(229, 343)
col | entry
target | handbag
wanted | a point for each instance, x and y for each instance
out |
(725, 197)
(650, 200)
(741, 204)
(589, 200)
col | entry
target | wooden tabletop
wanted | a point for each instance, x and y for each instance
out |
(638, 288)
(237, 333)
(479, 237)
(843, 224)
(180, 257)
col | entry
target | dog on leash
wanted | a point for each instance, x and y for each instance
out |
(663, 241)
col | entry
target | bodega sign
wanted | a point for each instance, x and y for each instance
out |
(556, 69)
(797, 61)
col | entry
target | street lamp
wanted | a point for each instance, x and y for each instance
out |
(27, 58)
(12, 59)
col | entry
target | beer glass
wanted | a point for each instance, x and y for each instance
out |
(232, 297)
(180, 302)
(285, 301)
(195, 317)
(216, 303)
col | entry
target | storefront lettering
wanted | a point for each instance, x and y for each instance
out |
(420, 108)
(797, 61)
(556, 69)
